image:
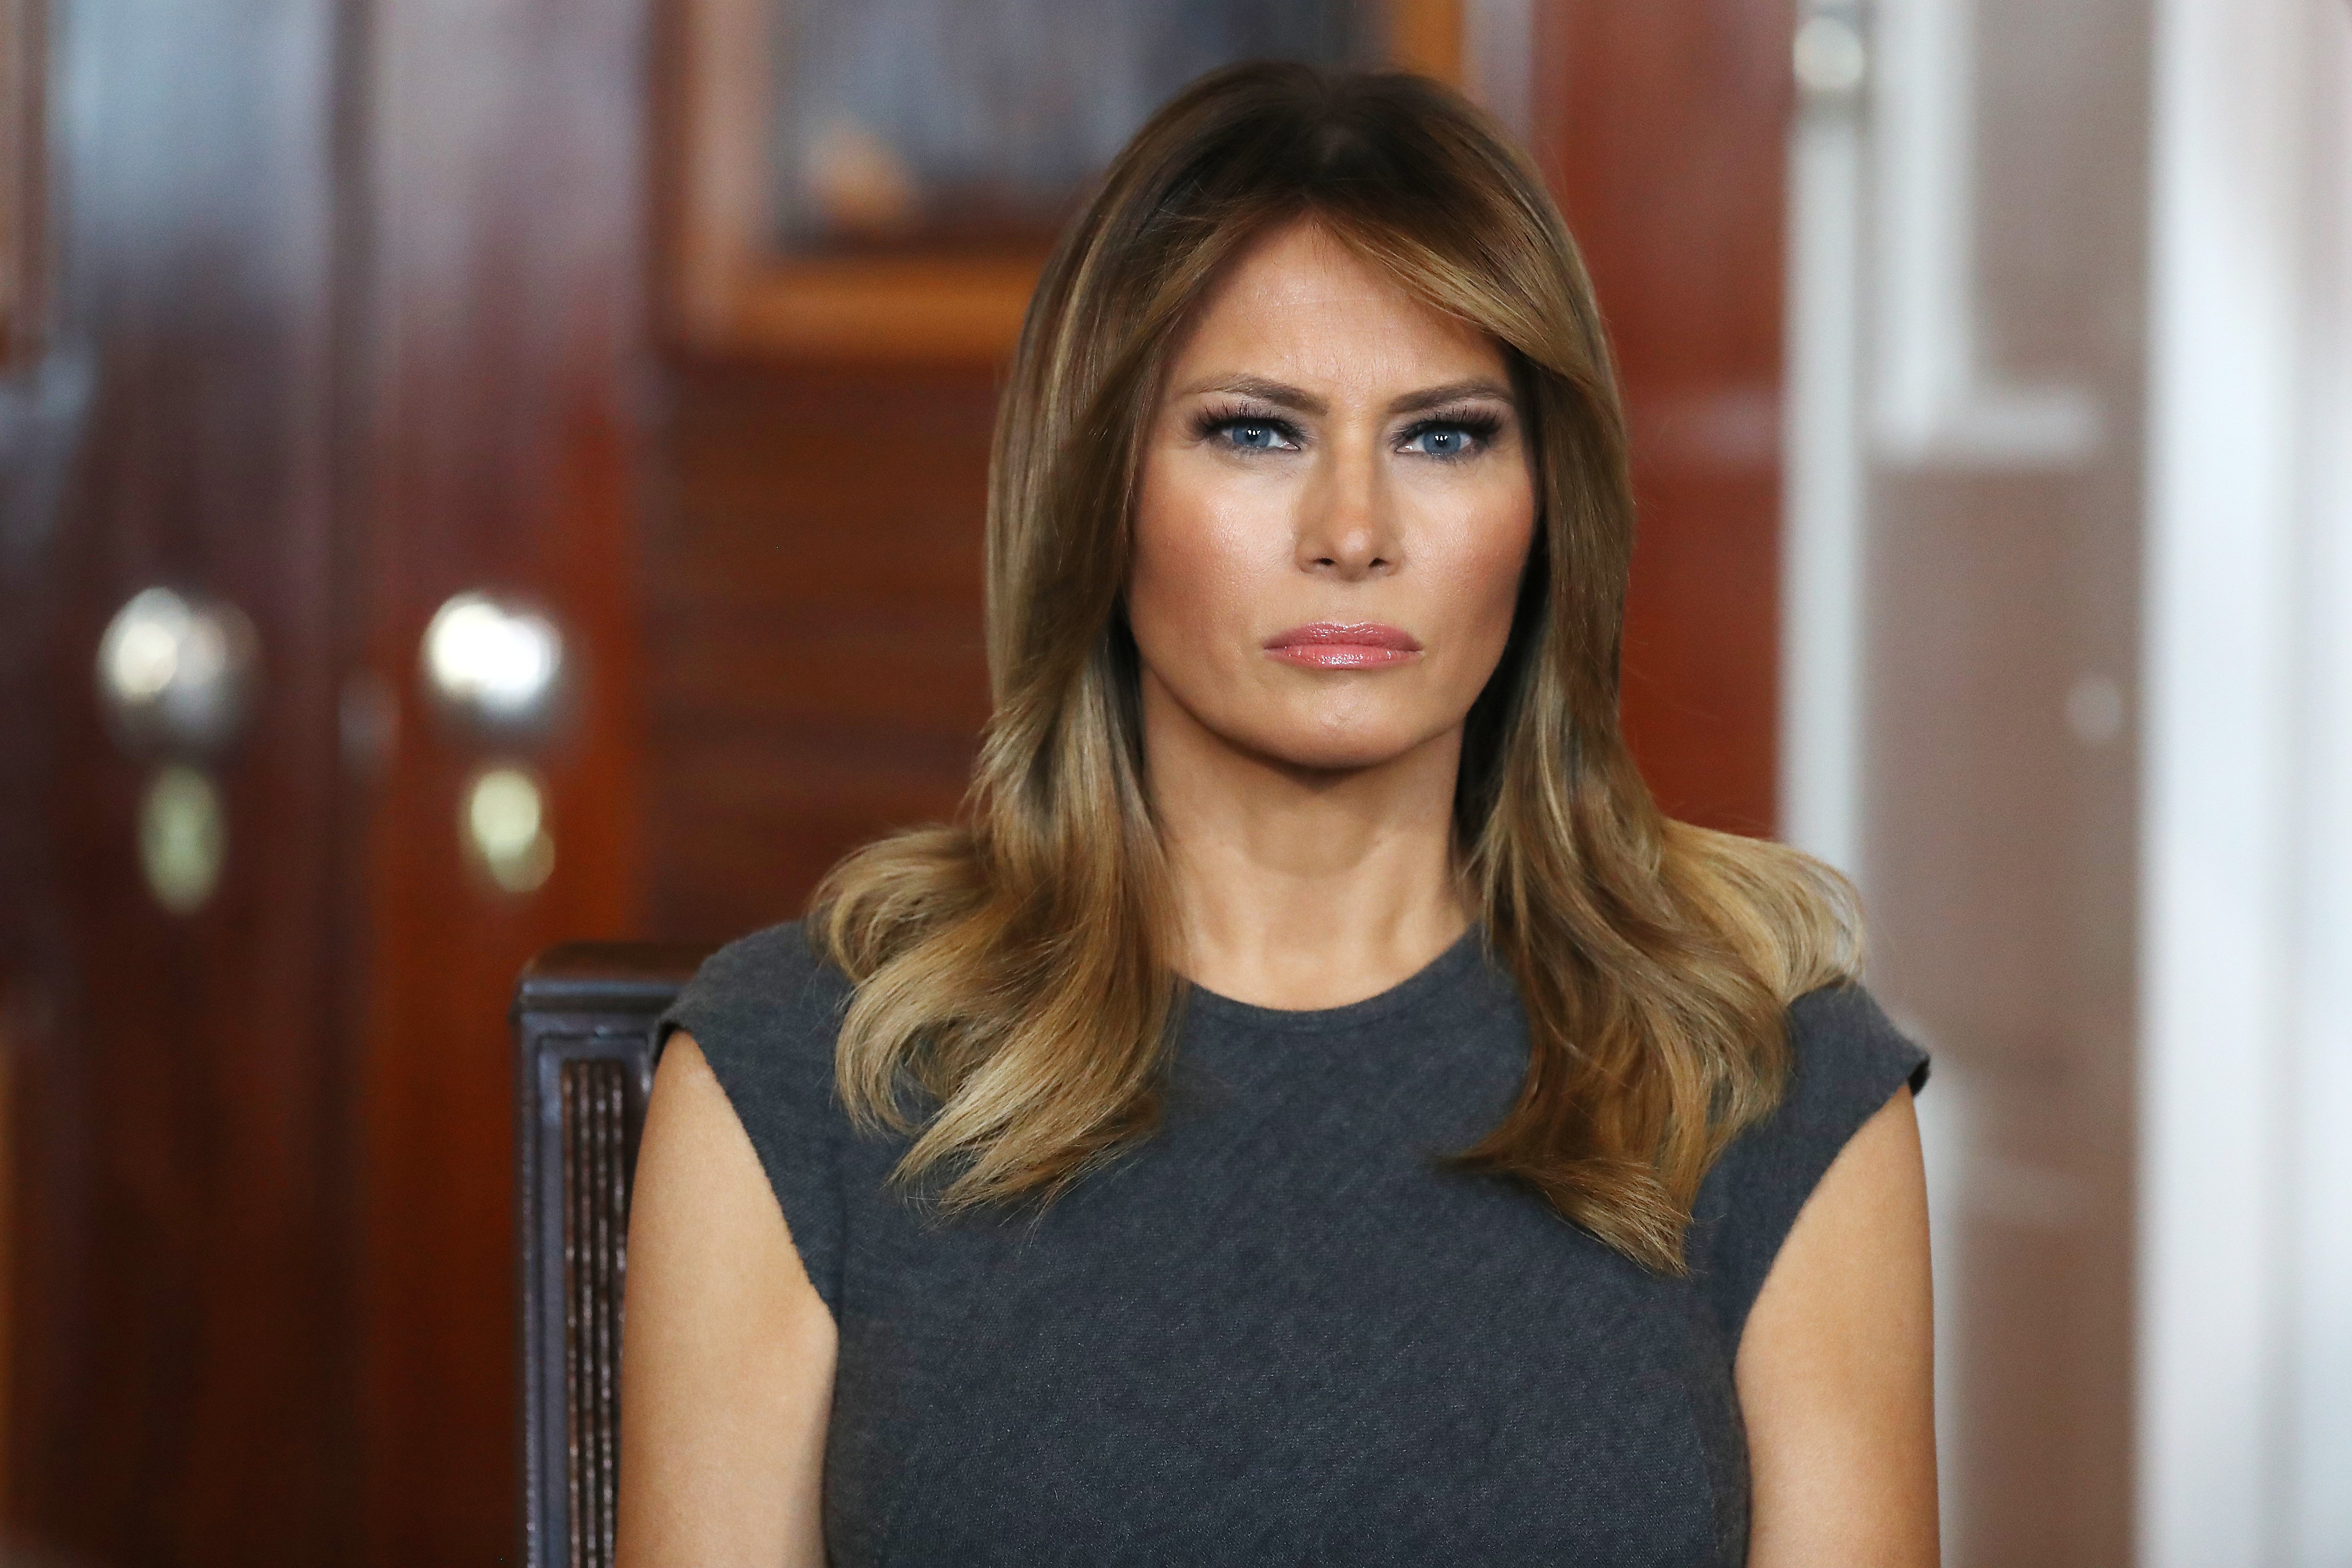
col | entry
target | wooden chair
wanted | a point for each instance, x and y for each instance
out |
(584, 1016)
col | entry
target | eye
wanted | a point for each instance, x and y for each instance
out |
(1256, 436)
(1447, 439)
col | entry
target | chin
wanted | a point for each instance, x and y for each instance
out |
(1337, 748)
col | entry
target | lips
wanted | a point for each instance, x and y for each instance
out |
(1332, 645)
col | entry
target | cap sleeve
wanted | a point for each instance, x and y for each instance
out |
(765, 1011)
(1847, 1061)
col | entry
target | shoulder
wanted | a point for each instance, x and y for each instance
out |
(776, 966)
(765, 1011)
(1842, 1045)
(773, 984)
(1847, 1060)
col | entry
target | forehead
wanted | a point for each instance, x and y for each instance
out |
(1299, 306)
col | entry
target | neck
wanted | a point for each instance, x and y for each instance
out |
(1301, 887)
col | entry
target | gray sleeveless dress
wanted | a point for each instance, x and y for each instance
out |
(1278, 1333)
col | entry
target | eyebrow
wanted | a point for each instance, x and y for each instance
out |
(1284, 395)
(1280, 394)
(1453, 392)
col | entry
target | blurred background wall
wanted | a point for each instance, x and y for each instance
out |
(1964, 526)
(478, 474)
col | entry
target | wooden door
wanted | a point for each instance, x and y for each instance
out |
(340, 325)
(1999, 821)
(181, 1281)
(500, 330)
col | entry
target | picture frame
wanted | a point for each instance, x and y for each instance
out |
(731, 289)
(23, 149)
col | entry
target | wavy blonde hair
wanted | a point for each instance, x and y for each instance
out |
(1014, 1004)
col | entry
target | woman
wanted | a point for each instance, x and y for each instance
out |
(1313, 1108)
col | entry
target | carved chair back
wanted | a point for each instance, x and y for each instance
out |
(583, 1017)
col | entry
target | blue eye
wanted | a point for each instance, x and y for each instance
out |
(1449, 440)
(1453, 436)
(1255, 436)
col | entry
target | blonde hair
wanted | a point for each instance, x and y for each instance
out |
(1011, 969)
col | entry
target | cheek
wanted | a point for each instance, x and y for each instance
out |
(1483, 558)
(1194, 556)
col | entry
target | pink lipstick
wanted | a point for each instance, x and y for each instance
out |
(1330, 645)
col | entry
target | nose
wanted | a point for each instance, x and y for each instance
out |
(1346, 522)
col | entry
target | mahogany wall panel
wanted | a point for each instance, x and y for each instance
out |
(814, 671)
(1664, 127)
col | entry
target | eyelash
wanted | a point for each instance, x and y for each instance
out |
(1481, 427)
(1215, 421)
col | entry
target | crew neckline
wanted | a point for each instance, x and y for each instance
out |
(1431, 978)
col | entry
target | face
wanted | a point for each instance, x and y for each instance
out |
(1336, 506)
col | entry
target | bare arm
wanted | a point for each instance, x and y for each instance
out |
(1836, 1367)
(726, 1363)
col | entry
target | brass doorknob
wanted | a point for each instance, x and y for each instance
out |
(493, 662)
(176, 680)
(497, 665)
(176, 672)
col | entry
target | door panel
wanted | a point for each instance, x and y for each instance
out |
(353, 291)
(2000, 811)
(495, 359)
(180, 1391)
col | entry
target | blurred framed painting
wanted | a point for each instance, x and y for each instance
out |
(882, 179)
(21, 147)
